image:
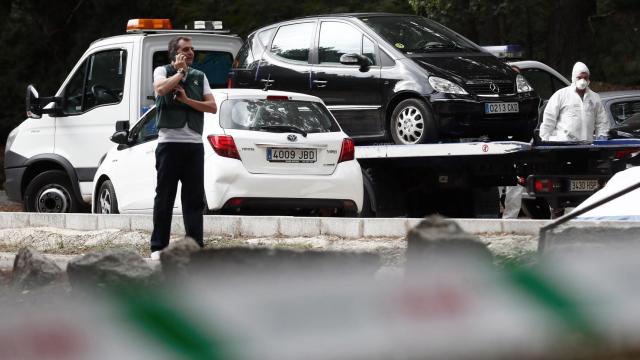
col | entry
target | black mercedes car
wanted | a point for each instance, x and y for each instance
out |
(394, 76)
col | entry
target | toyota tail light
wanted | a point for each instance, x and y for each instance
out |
(348, 150)
(224, 146)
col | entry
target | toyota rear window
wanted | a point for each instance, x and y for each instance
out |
(277, 116)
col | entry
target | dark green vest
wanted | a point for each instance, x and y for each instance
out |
(173, 114)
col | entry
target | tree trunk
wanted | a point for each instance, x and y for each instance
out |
(570, 37)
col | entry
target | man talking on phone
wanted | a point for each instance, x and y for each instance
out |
(183, 96)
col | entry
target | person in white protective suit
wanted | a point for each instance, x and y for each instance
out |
(573, 113)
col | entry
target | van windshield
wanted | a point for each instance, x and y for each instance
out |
(276, 116)
(415, 34)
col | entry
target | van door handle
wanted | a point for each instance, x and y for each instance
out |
(320, 83)
(267, 81)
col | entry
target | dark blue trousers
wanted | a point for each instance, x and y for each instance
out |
(175, 162)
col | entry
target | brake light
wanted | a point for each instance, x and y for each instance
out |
(224, 146)
(277, 97)
(621, 154)
(348, 150)
(149, 24)
(546, 186)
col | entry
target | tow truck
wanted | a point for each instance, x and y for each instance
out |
(461, 179)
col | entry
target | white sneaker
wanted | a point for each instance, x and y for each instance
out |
(155, 255)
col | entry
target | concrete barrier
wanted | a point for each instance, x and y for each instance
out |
(579, 235)
(265, 226)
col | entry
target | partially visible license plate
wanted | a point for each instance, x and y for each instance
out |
(501, 108)
(287, 155)
(583, 185)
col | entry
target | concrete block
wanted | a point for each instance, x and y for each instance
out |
(480, 226)
(299, 226)
(221, 225)
(259, 226)
(524, 227)
(47, 220)
(114, 221)
(14, 220)
(141, 222)
(350, 228)
(395, 227)
(81, 221)
(590, 237)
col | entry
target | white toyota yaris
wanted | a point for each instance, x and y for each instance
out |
(264, 151)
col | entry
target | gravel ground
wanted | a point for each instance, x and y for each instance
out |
(53, 241)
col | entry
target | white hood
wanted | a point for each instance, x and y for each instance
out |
(578, 68)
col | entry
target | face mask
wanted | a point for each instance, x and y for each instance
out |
(582, 84)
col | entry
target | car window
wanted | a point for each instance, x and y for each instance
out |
(264, 115)
(245, 55)
(146, 129)
(292, 42)
(338, 38)
(541, 82)
(369, 49)
(264, 36)
(415, 34)
(623, 110)
(214, 64)
(98, 81)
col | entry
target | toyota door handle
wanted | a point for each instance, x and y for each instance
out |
(320, 83)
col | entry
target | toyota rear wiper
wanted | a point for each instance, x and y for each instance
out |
(284, 128)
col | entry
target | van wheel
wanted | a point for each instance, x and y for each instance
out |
(50, 192)
(412, 123)
(106, 201)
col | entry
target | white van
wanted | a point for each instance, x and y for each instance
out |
(52, 156)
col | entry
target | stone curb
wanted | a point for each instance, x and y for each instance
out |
(265, 226)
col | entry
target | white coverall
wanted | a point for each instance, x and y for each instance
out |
(568, 117)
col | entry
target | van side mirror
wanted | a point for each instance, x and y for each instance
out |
(122, 125)
(35, 103)
(356, 59)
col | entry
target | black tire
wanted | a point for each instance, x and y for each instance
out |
(412, 123)
(367, 204)
(537, 208)
(106, 201)
(50, 192)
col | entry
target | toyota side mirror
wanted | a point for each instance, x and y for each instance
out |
(120, 137)
(356, 59)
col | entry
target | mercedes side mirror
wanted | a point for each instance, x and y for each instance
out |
(36, 104)
(355, 59)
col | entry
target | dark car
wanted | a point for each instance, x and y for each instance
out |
(389, 75)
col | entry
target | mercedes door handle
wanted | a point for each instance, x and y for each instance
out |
(320, 83)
